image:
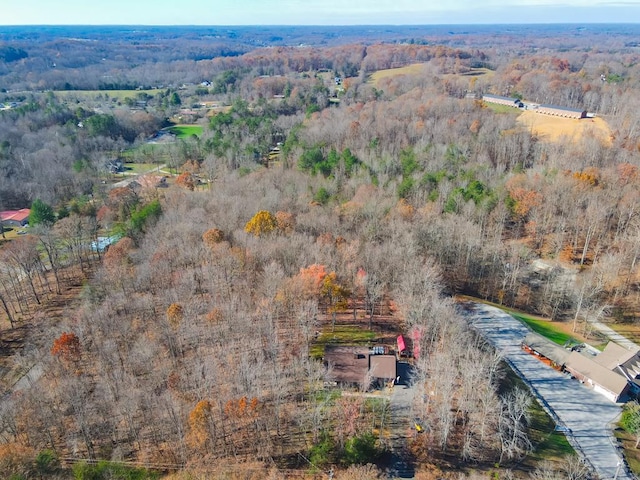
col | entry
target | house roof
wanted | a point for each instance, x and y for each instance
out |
(347, 364)
(499, 97)
(17, 215)
(151, 181)
(546, 348)
(382, 366)
(602, 376)
(614, 355)
(565, 109)
(351, 364)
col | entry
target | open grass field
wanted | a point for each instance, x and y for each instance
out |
(341, 335)
(629, 330)
(186, 131)
(497, 108)
(416, 69)
(380, 75)
(10, 233)
(556, 128)
(147, 153)
(89, 94)
(557, 332)
(139, 168)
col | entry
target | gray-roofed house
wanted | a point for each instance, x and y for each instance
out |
(539, 345)
(352, 365)
(603, 380)
(613, 373)
(620, 360)
(559, 111)
(500, 100)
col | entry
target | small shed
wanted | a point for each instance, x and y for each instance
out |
(401, 345)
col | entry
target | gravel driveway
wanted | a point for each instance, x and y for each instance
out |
(587, 414)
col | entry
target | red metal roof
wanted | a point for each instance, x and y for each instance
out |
(401, 345)
(17, 215)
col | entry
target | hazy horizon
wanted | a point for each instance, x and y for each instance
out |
(316, 12)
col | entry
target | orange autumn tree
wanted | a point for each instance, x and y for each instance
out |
(262, 223)
(310, 279)
(285, 221)
(185, 180)
(212, 237)
(199, 420)
(523, 198)
(241, 408)
(66, 347)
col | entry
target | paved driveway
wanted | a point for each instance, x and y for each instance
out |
(586, 413)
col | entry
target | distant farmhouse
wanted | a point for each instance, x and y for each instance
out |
(15, 218)
(614, 373)
(149, 182)
(508, 101)
(114, 165)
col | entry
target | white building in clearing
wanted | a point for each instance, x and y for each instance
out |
(508, 101)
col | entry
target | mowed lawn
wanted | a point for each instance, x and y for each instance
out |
(380, 75)
(186, 131)
(88, 94)
(554, 331)
(557, 332)
(341, 335)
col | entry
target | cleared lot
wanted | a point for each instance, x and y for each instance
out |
(588, 416)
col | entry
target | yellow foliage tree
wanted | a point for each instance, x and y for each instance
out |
(199, 419)
(336, 295)
(262, 223)
(175, 313)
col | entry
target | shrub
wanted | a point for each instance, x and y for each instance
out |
(360, 449)
(321, 453)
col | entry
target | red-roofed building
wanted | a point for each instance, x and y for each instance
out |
(15, 218)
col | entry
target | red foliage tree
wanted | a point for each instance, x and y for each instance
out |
(185, 180)
(67, 347)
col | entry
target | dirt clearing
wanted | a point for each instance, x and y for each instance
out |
(556, 128)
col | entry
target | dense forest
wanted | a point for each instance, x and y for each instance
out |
(339, 176)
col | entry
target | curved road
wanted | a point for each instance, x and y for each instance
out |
(587, 414)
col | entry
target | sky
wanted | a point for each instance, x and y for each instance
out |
(315, 12)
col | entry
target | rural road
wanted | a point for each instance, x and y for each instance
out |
(616, 337)
(133, 176)
(587, 414)
(401, 424)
